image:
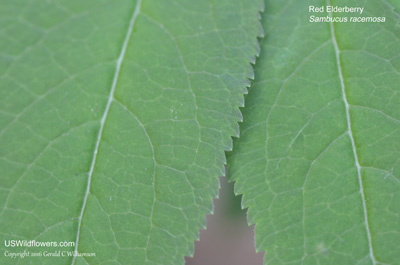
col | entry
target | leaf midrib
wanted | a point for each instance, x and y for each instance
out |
(350, 133)
(120, 59)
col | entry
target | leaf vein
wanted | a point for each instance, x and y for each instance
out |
(350, 133)
(103, 119)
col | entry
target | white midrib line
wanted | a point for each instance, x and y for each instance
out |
(360, 181)
(103, 120)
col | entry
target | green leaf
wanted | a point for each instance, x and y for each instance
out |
(114, 120)
(317, 160)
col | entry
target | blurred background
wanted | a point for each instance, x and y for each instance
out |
(228, 240)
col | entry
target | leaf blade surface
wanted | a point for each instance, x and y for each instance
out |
(116, 118)
(296, 159)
